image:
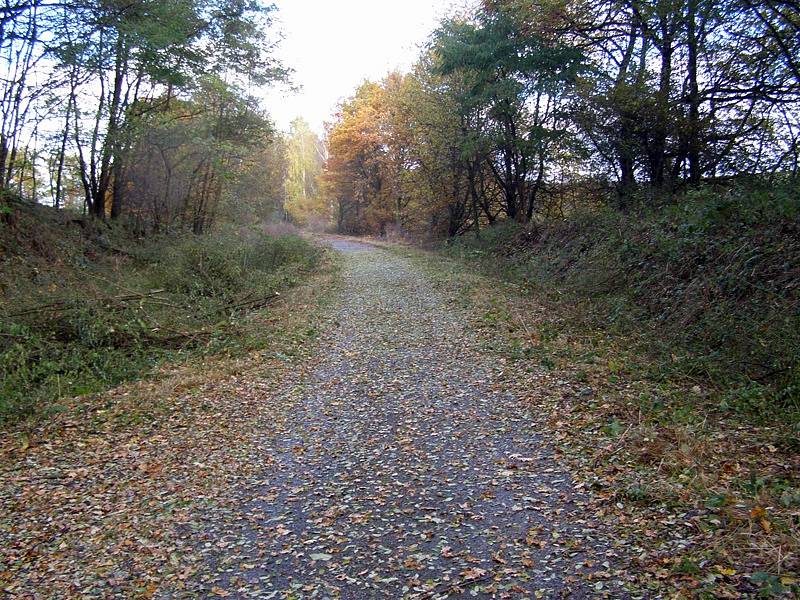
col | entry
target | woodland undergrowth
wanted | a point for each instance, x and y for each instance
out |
(84, 306)
(661, 348)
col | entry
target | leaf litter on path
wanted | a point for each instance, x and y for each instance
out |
(393, 464)
(404, 470)
(90, 500)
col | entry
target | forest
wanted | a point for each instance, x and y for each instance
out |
(144, 112)
(520, 318)
(522, 111)
(128, 129)
(639, 155)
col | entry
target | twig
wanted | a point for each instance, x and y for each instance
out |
(252, 304)
(519, 318)
(60, 305)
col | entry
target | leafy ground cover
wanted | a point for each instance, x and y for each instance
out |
(709, 501)
(405, 470)
(92, 498)
(447, 435)
(707, 285)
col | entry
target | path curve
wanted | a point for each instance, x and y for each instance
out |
(405, 470)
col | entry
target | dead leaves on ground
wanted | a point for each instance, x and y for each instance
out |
(710, 505)
(91, 500)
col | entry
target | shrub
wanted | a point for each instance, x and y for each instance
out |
(715, 276)
(94, 324)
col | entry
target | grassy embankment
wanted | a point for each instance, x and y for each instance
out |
(709, 287)
(212, 361)
(84, 307)
(661, 348)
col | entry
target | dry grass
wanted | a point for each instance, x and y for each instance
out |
(129, 466)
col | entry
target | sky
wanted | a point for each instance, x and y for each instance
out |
(334, 45)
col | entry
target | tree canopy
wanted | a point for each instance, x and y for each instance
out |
(144, 104)
(518, 109)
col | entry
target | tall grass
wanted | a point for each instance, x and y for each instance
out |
(710, 283)
(90, 318)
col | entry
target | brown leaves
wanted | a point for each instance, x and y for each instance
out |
(106, 484)
(760, 516)
(473, 573)
(533, 539)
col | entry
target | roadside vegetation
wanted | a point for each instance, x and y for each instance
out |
(701, 484)
(707, 284)
(140, 374)
(84, 306)
(630, 172)
(144, 192)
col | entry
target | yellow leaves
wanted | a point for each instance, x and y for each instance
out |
(532, 539)
(360, 518)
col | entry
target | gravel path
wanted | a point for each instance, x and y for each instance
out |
(404, 472)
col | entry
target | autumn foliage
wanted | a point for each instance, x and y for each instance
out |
(524, 111)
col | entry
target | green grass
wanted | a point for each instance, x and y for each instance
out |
(77, 317)
(708, 286)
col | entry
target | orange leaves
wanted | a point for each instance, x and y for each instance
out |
(759, 515)
(365, 168)
(473, 573)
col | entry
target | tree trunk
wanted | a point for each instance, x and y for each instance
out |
(693, 134)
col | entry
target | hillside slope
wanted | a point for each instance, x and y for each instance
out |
(709, 286)
(84, 306)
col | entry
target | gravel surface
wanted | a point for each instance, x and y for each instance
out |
(405, 471)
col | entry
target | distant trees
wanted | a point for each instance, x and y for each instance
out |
(521, 106)
(186, 155)
(356, 166)
(305, 154)
(97, 90)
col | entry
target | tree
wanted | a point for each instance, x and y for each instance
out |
(517, 81)
(353, 178)
(305, 156)
(189, 154)
(106, 65)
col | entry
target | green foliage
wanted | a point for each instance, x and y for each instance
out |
(220, 269)
(305, 157)
(768, 585)
(613, 428)
(81, 338)
(707, 282)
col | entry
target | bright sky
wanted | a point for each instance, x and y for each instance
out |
(334, 45)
